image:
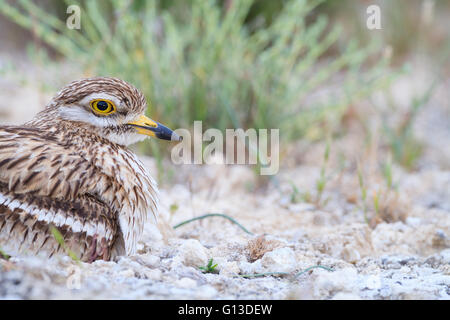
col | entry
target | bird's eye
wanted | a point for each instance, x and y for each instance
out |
(103, 107)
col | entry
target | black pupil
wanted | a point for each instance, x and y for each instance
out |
(102, 105)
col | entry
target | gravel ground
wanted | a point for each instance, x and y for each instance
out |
(400, 260)
(405, 254)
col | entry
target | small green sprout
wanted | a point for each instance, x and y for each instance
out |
(209, 268)
(387, 173)
(376, 202)
(3, 255)
(60, 239)
(297, 196)
(173, 208)
(363, 192)
(295, 193)
(321, 182)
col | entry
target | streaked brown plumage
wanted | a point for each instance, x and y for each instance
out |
(70, 168)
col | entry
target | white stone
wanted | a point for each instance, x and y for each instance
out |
(153, 274)
(206, 292)
(330, 283)
(193, 253)
(346, 296)
(413, 221)
(230, 268)
(127, 273)
(250, 268)
(149, 260)
(350, 254)
(279, 260)
(445, 254)
(186, 283)
(372, 282)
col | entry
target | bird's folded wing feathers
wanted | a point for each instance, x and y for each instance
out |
(86, 225)
(43, 183)
(30, 163)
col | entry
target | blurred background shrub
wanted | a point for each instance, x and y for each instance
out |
(246, 64)
(296, 65)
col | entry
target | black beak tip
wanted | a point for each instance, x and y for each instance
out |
(162, 132)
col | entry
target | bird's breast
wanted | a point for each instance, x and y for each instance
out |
(125, 185)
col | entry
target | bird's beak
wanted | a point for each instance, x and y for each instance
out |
(147, 126)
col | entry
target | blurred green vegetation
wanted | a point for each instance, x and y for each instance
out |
(408, 27)
(400, 139)
(231, 64)
(198, 60)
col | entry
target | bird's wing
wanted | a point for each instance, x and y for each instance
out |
(37, 164)
(43, 183)
(86, 226)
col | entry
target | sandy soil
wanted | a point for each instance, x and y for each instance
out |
(402, 253)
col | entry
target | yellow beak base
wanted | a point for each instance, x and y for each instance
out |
(147, 126)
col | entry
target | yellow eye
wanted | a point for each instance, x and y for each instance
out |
(103, 107)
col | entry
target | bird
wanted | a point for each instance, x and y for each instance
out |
(68, 173)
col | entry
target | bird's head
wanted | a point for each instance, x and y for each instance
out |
(112, 107)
